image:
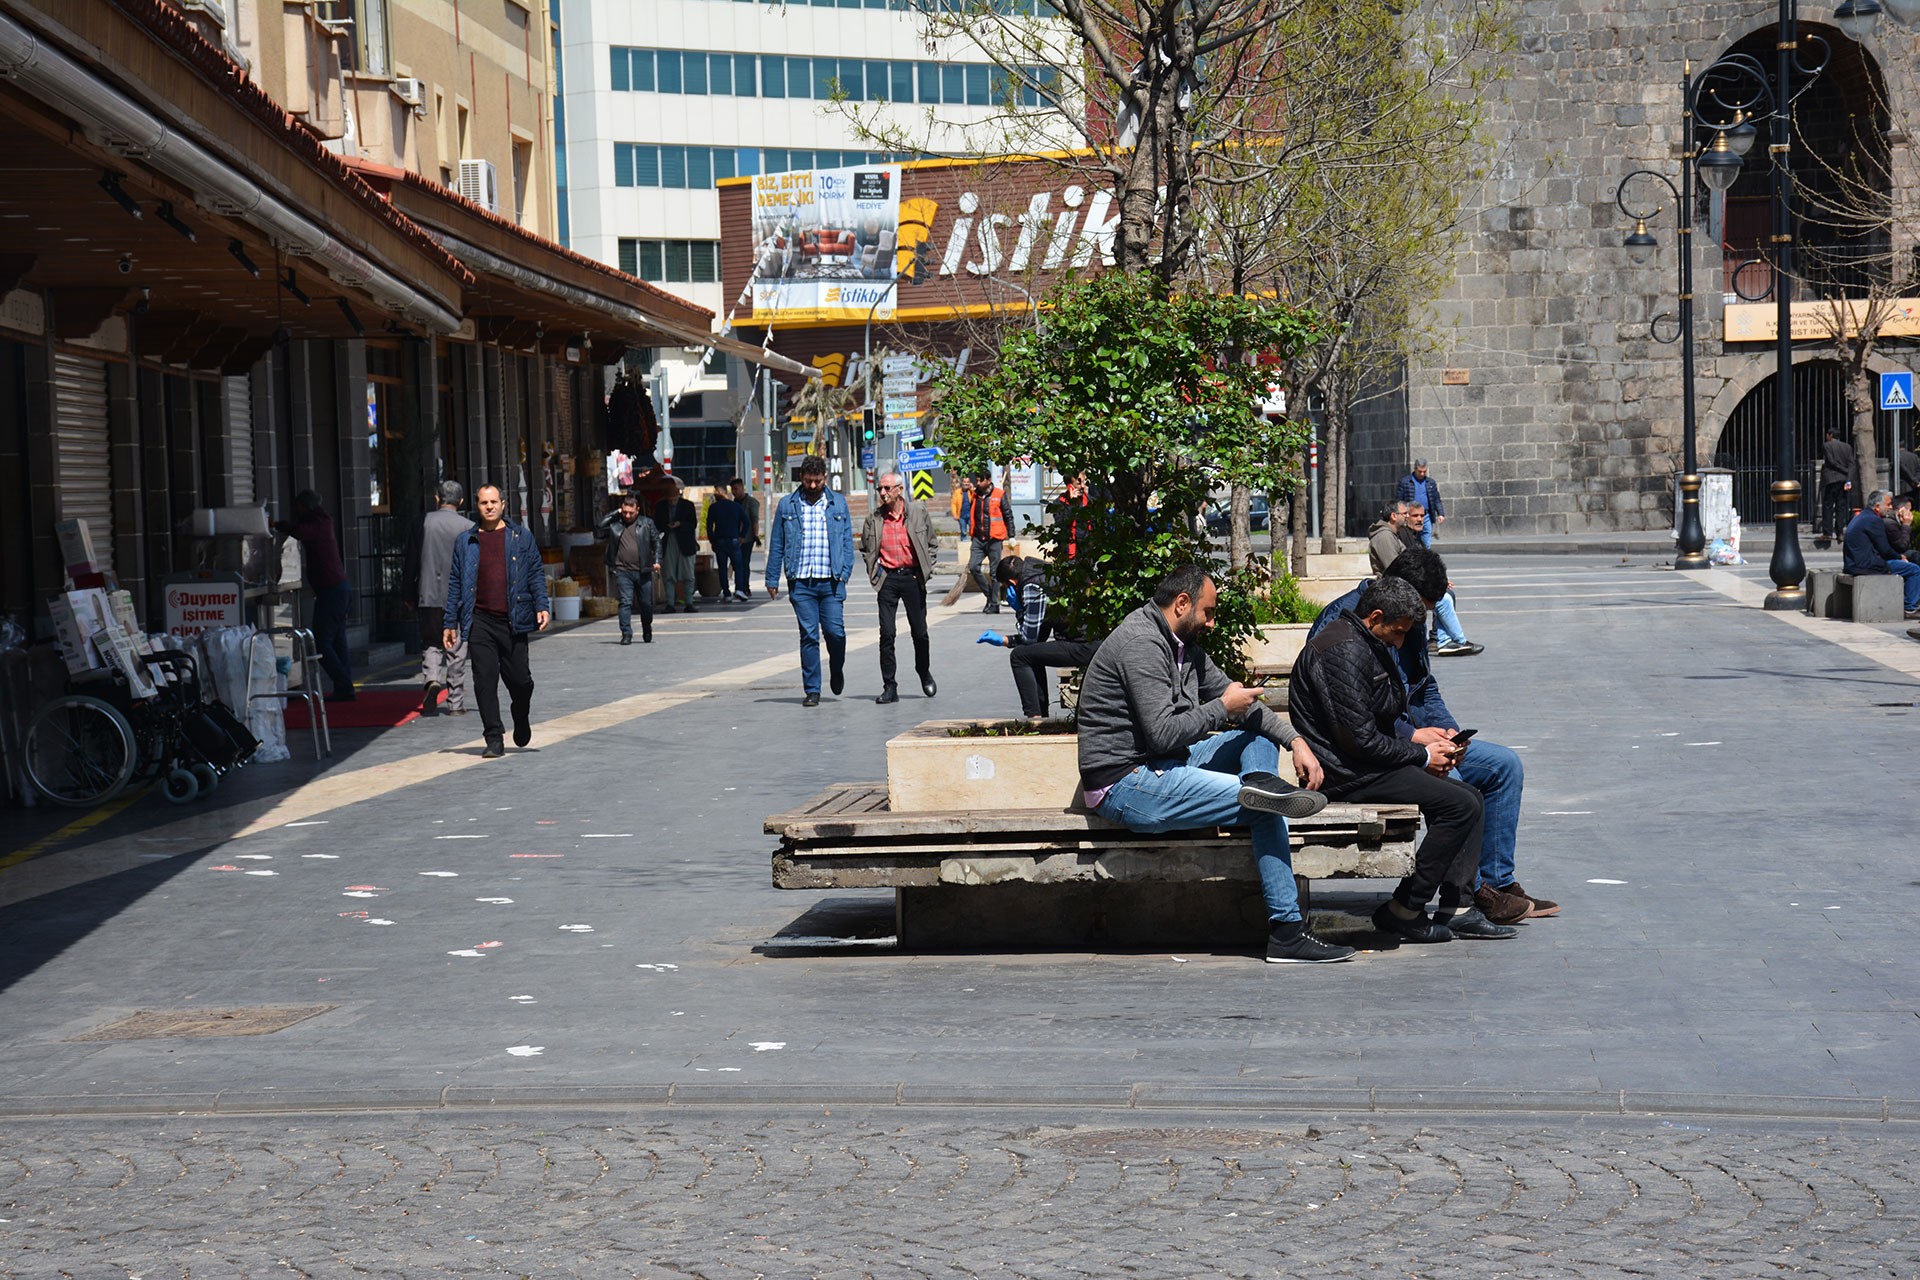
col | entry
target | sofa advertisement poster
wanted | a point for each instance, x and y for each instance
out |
(826, 242)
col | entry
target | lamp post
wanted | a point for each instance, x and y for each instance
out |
(1718, 168)
(1733, 87)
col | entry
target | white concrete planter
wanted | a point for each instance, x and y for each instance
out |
(929, 769)
(1274, 646)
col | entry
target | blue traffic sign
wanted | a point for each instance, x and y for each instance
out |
(919, 459)
(866, 459)
(1896, 390)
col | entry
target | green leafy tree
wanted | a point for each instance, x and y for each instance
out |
(1154, 395)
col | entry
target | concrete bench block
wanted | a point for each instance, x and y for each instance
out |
(1871, 597)
(1820, 601)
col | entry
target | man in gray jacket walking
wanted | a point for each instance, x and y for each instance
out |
(1150, 758)
(441, 666)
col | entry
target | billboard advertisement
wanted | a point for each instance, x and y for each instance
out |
(826, 240)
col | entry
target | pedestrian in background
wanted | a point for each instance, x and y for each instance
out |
(898, 543)
(985, 520)
(1418, 489)
(327, 578)
(1836, 487)
(430, 556)
(726, 525)
(679, 526)
(496, 599)
(750, 516)
(812, 544)
(633, 556)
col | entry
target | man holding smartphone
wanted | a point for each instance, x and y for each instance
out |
(1492, 770)
(1347, 701)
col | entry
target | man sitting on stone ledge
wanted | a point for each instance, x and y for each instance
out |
(1492, 770)
(1345, 698)
(1150, 757)
(1869, 551)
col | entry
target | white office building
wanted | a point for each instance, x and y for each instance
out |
(660, 99)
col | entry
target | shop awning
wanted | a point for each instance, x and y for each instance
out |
(247, 227)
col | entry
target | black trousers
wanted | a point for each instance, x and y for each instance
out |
(904, 587)
(1449, 856)
(497, 653)
(1029, 663)
(1835, 512)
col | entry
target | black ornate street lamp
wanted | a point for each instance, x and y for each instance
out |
(1717, 167)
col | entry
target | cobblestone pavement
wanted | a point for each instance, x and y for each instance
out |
(867, 1193)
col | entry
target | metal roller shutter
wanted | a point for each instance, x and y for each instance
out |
(239, 452)
(80, 448)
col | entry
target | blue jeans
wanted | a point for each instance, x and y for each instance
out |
(1446, 623)
(1203, 790)
(726, 556)
(743, 567)
(634, 588)
(817, 606)
(1426, 534)
(1910, 572)
(1494, 771)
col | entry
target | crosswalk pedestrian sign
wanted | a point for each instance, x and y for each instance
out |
(922, 482)
(1896, 390)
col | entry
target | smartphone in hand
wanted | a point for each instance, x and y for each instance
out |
(1461, 736)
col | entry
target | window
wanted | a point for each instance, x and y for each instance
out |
(929, 82)
(902, 88)
(646, 166)
(977, 84)
(643, 70)
(853, 80)
(673, 167)
(618, 67)
(877, 78)
(773, 77)
(623, 164)
(672, 261)
(699, 168)
(693, 71)
(953, 83)
(799, 77)
(743, 64)
(720, 75)
(669, 71)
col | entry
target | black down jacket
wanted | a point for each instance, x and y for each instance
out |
(1344, 697)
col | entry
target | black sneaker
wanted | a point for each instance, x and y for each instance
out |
(496, 748)
(1269, 793)
(430, 701)
(1294, 943)
(1422, 928)
(837, 677)
(888, 694)
(1474, 924)
(811, 700)
(522, 731)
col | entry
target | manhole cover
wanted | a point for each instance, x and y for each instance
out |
(201, 1024)
(1137, 1144)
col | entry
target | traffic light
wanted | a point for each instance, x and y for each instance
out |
(869, 423)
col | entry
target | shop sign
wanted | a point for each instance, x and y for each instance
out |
(197, 602)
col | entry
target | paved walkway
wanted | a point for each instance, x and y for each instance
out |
(551, 969)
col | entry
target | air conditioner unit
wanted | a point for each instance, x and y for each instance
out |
(480, 183)
(411, 92)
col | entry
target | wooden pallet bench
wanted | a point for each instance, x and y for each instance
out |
(1067, 877)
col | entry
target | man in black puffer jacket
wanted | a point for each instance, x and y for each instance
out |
(1344, 699)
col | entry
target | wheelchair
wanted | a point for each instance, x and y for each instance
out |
(83, 749)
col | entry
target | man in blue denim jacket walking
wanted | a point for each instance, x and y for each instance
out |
(812, 543)
(496, 598)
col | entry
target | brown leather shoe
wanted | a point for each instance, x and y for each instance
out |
(1500, 905)
(1538, 906)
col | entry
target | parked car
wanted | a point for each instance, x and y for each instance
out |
(1220, 516)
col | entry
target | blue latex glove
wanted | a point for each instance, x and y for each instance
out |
(991, 637)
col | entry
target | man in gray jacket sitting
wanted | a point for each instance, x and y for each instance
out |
(1168, 743)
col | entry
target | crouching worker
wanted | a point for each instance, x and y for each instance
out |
(1345, 698)
(1040, 642)
(1150, 757)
